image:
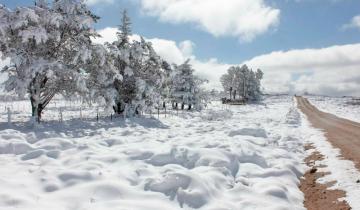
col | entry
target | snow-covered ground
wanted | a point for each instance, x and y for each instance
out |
(240, 157)
(338, 106)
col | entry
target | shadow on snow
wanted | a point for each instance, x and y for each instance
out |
(77, 128)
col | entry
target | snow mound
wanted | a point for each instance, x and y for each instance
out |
(185, 188)
(13, 143)
(255, 132)
(177, 156)
(217, 115)
(216, 160)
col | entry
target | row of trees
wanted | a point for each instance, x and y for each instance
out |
(242, 83)
(52, 53)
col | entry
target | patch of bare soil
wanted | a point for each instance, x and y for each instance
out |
(318, 196)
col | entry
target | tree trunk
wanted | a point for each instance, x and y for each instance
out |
(40, 95)
(244, 94)
(182, 106)
(189, 108)
(119, 108)
(137, 112)
(36, 109)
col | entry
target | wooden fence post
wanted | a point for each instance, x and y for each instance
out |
(9, 115)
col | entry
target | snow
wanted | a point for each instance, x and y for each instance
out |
(342, 171)
(226, 157)
(337, 106)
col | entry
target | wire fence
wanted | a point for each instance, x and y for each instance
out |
(61, 110)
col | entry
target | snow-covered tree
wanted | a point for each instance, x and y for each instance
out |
(124, 29)
(141, 70)
(228, 81)
(186, 86)
(41, 3)
(167, 88)
(120, 53)
(100, 73)
(147, 69)
(242, 81)
(47, 47)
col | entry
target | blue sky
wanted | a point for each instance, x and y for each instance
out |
(304, 24)
(297, 26)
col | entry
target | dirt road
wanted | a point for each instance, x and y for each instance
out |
(341, 133)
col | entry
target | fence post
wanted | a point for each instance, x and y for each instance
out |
(9, 115)
(164, 106)
(125, 111)
(61, 114)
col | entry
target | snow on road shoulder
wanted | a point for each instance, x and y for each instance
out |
(342, 171)
(238, 157)
(340, 107)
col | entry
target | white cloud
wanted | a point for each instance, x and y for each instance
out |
(211, 70)
(244, 19)
(169, 50)
(304, 59)
(354, 23)
(94, 2)
(338, 82)
(333, 70)
(187, 48)
(330, 71)
(107, 35)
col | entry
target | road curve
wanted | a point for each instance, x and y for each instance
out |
(341, 133)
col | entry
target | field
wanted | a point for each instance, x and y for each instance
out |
(225, 157)
(221, 158)
(344, 107)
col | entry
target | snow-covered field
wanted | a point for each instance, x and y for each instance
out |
(337, 106)
(240, 157)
